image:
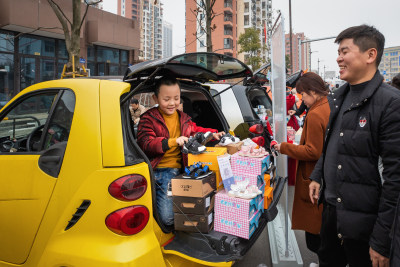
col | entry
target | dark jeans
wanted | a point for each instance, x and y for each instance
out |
(313, 242)
(335, 252)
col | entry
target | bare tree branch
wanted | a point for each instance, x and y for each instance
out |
(54, 4)
(84, 15)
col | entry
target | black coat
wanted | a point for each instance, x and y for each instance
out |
(395, 253)
(370, 129)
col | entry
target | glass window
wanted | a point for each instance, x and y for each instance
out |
(61, 120)
(38, 47)
(60, 67)
(217, 98)
(62, 49)
(24, 120)
(107, 55)
(28, 70)
(6, 78)
(124, 57)
(6, 42)
(114, 69)
(46, 70)
(90, 53)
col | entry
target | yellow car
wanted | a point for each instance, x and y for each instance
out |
(75, 188)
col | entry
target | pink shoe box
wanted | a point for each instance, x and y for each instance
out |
(253, 179)
(244, 228)
(248, 166)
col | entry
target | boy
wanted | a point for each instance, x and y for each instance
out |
(162, 131)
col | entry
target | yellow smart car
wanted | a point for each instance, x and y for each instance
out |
(75, 188)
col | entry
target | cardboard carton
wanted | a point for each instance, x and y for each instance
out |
(249, 166)
(209, 158)
(232, 148)
(194, 222)
(193, 187)
(194, 205)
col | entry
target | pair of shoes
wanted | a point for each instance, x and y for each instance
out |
(253, 151)
(203, 138)
(193, 147)
(196, 171)
(243, 190)
(227, 139)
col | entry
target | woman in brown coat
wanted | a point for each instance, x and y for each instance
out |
(307, 216)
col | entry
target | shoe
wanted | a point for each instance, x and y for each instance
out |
(312, 264)
(169, 190)
(193, 147)
(227, 139)
(192, 168)
(203, 138)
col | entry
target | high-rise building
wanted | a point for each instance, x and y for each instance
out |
(305, 51)
(149, 15)
(224, 27)
(167, 39)
(256, 14)
(390, 63)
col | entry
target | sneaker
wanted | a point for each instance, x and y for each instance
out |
(193, 147)
(169, 190)
(312, 264)
(189, 170)
(203, 138)
(227, 139)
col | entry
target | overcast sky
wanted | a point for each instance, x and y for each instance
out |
(316, 18)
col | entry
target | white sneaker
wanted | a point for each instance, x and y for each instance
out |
(312, 264)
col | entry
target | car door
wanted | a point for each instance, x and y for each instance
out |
(33, 135)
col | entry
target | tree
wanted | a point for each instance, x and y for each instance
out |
(249, 42)
(287, 62)
(205, 10)
(72, 28)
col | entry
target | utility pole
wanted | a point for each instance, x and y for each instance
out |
(290, 33)
(318, 66)
(309, 41)
(324, 72)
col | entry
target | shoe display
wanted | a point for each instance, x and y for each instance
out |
(243, 190)
(253, 151)
(193, 147)
(227, 139)
(196, 171)
(203, 138)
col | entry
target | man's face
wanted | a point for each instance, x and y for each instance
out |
(169, 98)
(352, 62)
(134, 106)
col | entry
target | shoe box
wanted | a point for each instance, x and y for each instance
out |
(232, 148)
(194, 205)
(256, 180)
(187, 187)
(248, 165)
(194, 222)
(268, 196)
(209, 158)
(237, 216)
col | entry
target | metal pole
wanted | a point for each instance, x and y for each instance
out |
(310, 58)
(299, 43)
(318, 67)
(290, 32)
(324, 72)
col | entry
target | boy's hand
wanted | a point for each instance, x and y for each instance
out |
(217, 136)
(181, 140)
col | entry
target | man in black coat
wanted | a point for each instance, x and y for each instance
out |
(364, 125)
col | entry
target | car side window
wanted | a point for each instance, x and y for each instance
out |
(24, 122)
(217, 98)
(61, 120)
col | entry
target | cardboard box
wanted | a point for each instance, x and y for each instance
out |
(268, 196)
(194, 222)
(249, 166)
(193, 187)
(209, 158)
(232, 148)
(194, 205)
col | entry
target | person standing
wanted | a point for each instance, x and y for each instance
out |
(364, 125)
(306, 215)
(136, 110)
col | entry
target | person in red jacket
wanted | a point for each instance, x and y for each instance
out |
(162, 131)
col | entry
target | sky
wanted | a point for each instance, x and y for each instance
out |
(316, 18)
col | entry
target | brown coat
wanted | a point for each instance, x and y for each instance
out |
(307, 216)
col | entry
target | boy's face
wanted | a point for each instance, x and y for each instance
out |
(352, 62)
(169, 98)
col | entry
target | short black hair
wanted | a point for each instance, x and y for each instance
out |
(365, 37)
(396, 81)
(134, 101)
(165, 81)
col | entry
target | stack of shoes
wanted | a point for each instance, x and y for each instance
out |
(196, 171)
(243, 190)
(203, 138)
(227, 139)
(253, 151)
(192, 146)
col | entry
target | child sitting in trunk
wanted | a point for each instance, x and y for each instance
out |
(162, 131)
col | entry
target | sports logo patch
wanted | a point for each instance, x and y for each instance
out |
(362, 121)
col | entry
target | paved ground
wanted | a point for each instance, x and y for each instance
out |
(260, 252)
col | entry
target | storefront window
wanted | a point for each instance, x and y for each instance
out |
(6, 78)
(108, 55)
(46, 70)
(28, 68)
(62, 49)
(38, 47)
(60, 67)
(90, 53)
(6, 42)
(114, 70)
(124, 57)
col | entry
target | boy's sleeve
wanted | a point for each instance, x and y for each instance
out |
(147, 139)
(196, 129)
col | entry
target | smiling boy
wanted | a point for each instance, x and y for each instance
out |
(364, 125)
(162, 131)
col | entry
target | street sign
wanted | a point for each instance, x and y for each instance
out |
(82, 60)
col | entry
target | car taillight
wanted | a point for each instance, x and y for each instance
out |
(259, 140)
(256, 129)
(128, 221)
(128, 188)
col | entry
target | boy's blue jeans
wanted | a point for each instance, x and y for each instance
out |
(163, 177)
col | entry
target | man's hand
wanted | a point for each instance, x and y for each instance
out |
(377, 259)
(278, 147)
(291, 112)
(217, 136)
(181, 140)
(314, 190)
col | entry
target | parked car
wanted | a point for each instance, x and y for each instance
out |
(76, 189)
